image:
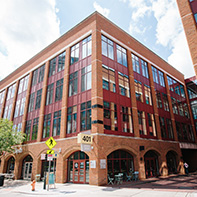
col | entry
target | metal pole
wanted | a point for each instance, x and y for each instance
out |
(49, 173)
(45, 162)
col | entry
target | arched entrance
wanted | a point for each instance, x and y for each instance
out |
(119, 161)
(78, 168)
(27, 167)
(171, 162)
(151, 164)
(10, 165)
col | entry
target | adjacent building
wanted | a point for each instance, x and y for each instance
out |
(99, 81)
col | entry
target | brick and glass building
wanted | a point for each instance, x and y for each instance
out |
(96, 79)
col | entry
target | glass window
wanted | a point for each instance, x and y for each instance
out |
(61, 61)
(136, 64)
(170, 83)
(151, 124)
(186, 110)
(138, 91)
(52, 65)
(17, 108)
(38, 99)
(182, 91)
(49, 97)
(155, 75)
(74, 57)
(194, 108)
(161, 78)
(107, 47)
(5, 112)
(144, 68)
(22, 106)
(158, 98)
(41, 73)
(174, 106)
(180, 107)
(147, 93)
(142, 122)
(58, 90)
(35, 129)
(163, 127)
(31, 102)
(121, 55)
(195, 16)
(9, 111)
(86, 78)
(165, 102)
(73, 83)
(2, 94)
(28, 130)
(72, 119)
(35, 76)
(123, 84)
(47, 126)
(86, 47)
(26, 83)
(126, 116)
(19, 127)
(20, 89)
(170, 129)
(176, 89)
(86, 116)
(56, 123)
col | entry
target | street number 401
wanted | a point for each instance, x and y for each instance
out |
(86, 138)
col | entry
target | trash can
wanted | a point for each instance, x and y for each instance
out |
(1, 180)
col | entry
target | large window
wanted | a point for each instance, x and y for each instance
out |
(165, 102)
(174, 106)
(170, 83)
(138, 91)
(121, 55)
(59, 89)
(2, 94)
(123, 84)
(144, 69)
(72, 119)
(31, 102)
(35, 129)
(74, 57)
(107, 47)
(20, 89)
(142, 122)
(9, 111)
(49, 97)
(126, 116)
(136, 64)
(47, 126)
(17, 108)
(61, 61)
(86, 78)
(11, 91)
(163, 127)
(87, 47)
(86, 116)
(26, 83)
(38, 99)
(155, 75)
(169, 128)
(161, 78)
(52, 66)
(110, 116)
(109, 78)
(147, 93)
(28, 130)
(151, 124)
(41, 73)
(158, 98)
(34, 78)
(22, 106)
(73, 83)
(56, 123)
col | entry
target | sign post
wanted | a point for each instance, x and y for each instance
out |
(50, 143)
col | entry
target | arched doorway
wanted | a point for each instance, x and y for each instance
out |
(27, 167)
(119, 161)
(10, 165)
(151, 164)
(78, 168)
(171, 162)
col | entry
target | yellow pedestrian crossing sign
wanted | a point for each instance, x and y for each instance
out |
(50, 152)
(51, 142)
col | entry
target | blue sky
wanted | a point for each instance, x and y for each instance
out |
(28, 26)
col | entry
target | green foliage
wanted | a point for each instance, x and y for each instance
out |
(9, 136)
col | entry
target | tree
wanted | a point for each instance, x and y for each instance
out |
(9, 136)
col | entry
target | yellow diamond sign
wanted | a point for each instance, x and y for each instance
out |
(51, 142)
(50, 152)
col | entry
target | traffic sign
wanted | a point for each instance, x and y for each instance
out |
(49, 157)
(50, 152)
(56, 155)
(51, 142)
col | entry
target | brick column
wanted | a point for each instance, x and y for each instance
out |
(97, 88)
(43, 99)
(190, 114)
(133, 98)
(16, 168)
(170, 107)
(4, 102)
(65, 95)
(14, 101)
(154, 102)
(60, 169)
(27, 102)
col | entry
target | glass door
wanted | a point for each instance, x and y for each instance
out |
(150, 166)
(79, 172)
(27, 170)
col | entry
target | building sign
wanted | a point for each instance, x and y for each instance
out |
(42, 156)
(49, 157)
(86, 147)
(50, 152)
(85, 138)
(102, 163)
(92, 163)
(51, 142)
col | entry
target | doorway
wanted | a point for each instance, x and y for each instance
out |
(27, 170)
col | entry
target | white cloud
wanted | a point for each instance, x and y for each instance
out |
(26, 28)
(180, 57)
(104, 11)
